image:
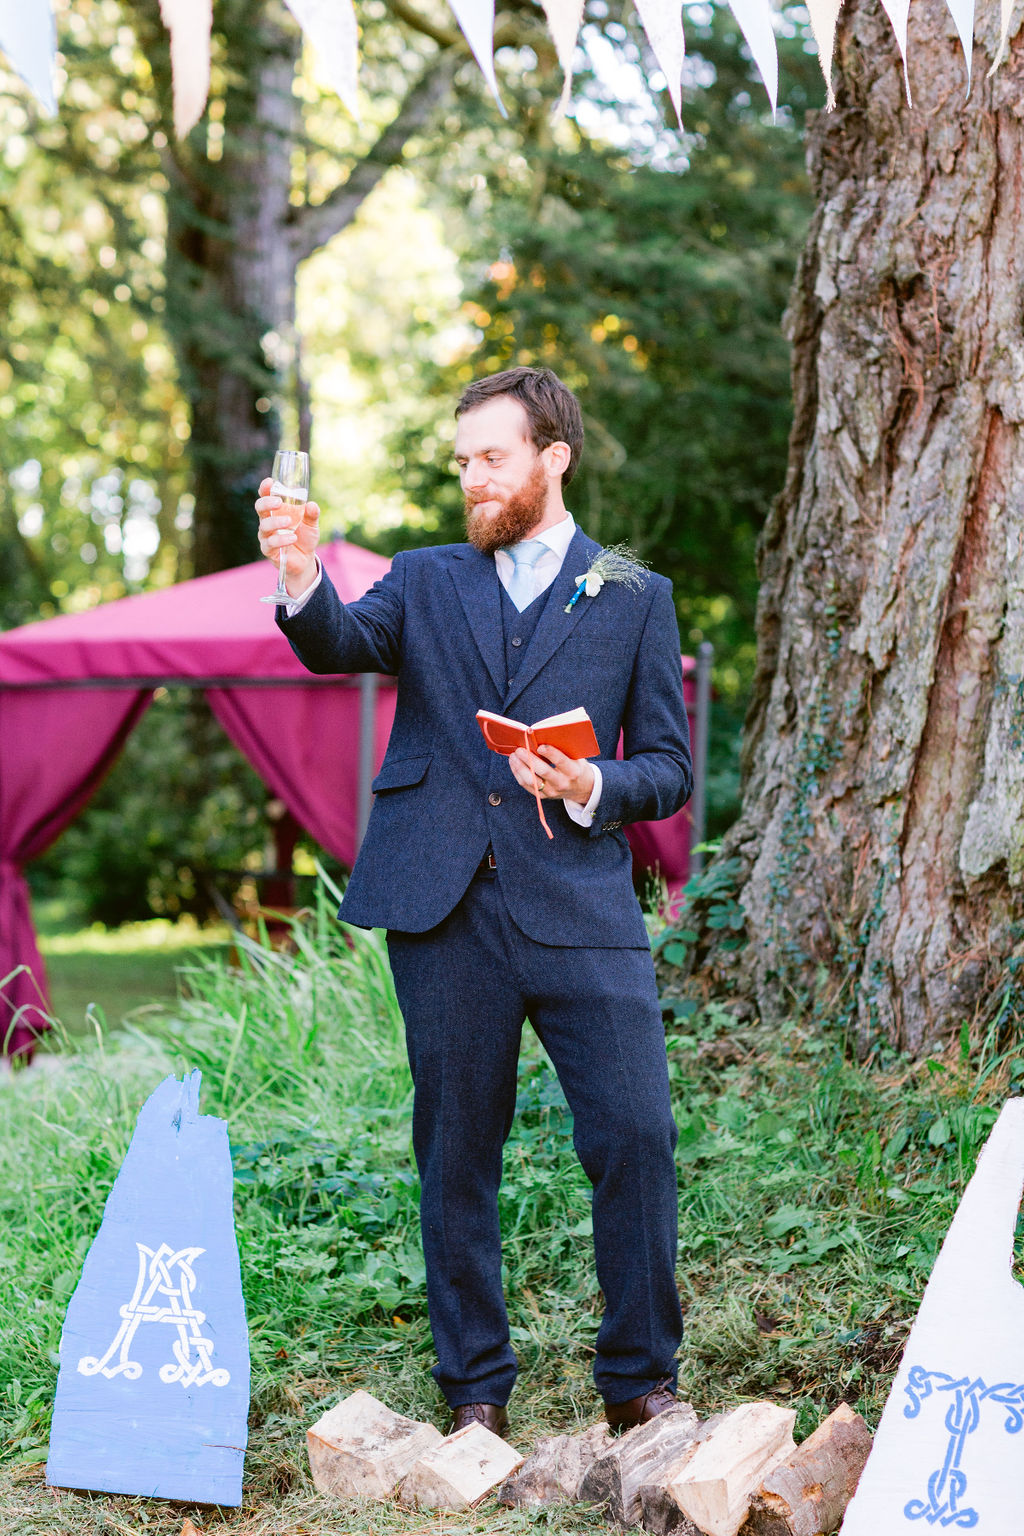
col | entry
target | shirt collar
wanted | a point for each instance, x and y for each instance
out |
(557, 538)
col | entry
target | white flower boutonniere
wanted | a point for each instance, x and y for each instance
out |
(617, 564)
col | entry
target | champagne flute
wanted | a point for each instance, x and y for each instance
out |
(291, 483)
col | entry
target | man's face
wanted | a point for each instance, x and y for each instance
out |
(505, 479)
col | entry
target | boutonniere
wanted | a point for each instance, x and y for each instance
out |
(617, 564)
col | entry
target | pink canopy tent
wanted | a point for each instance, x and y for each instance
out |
(72, 689)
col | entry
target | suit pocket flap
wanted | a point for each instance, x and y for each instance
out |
(402, 773)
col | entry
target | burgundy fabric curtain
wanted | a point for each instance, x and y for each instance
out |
(55, 746)
(304, 744)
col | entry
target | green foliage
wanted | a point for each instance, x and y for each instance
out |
(91, 468)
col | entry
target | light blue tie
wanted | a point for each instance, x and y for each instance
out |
(521, 588)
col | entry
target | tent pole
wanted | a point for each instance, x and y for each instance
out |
(367, 723)
(698, 806)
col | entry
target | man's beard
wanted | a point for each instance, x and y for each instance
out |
(520, 512)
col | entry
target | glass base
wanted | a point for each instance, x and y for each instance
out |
(279, 598)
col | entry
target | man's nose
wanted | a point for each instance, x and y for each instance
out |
(474, 475)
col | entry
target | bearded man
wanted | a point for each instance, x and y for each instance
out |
(488, 921)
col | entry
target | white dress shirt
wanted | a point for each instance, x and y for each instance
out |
(545, 569)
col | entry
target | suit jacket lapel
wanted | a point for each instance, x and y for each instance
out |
(555, 623)
(476, 581)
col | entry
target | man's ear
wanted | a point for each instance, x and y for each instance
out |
(556, 457)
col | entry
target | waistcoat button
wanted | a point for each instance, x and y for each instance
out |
(494, 799)
(516, 640)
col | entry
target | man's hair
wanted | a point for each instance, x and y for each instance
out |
(552, 410)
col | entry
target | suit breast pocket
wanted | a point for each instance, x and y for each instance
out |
(402, 773)
(601, 647)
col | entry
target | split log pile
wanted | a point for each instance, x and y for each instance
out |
(737, 1474)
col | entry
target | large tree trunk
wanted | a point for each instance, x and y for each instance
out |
(882, 830)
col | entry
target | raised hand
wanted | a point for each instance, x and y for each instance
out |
(278, 531)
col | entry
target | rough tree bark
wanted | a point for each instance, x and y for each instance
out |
(881, 836)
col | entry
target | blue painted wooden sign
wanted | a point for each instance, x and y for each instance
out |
(153, 1391)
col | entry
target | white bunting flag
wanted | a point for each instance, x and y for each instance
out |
(962, 12)
(1004, 33)
(663, 23)
(476, 18)
(755, 19)
(564, 18)
(28, 37)
(189, 22)
(824, 16)
(333, 34)
(898, 12)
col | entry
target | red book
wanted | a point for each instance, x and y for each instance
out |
(571, 732)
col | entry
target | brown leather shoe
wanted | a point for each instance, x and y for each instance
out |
(640, 1410)
(490, 1415)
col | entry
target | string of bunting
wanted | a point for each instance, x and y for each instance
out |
(28, 38)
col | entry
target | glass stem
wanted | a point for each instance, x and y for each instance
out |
(282, 590)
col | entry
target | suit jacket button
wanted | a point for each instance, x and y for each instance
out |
(493, 799)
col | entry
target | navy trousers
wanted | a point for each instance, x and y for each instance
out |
(465, 988)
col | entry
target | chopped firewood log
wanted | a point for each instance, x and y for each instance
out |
(359, 1449)
(463, 1469)
(635, 1458)
(714, 1486)
(807, 1494)
(660, 1513)
(554, 1471)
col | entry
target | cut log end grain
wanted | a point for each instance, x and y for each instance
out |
(360, 1449)
(459, 1472)
(807, 1493)
(713, 1487)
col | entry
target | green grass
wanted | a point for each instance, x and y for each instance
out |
(108, 975)
(813, 1198)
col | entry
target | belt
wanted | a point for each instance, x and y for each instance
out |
(488, 864)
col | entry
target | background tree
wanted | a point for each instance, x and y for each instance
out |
(881, 841)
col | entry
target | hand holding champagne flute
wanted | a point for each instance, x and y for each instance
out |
(289, 525)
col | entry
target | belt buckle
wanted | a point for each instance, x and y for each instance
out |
(492, 862)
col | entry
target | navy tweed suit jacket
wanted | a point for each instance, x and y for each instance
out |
(441, 797)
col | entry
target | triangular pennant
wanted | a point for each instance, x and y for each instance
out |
(564, 17)
(755, 19)
(663, 23)
(898, 12)
(1006, 9)
(824, 16)
(962, 12)
(332, 32)
(189, 22)
(28, 36)
(476, 18)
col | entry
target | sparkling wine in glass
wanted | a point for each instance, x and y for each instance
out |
(291, 483)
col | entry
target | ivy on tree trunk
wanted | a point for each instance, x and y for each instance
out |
(882, 826)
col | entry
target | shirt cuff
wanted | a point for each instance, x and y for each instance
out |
(291, 609)
(583, 815)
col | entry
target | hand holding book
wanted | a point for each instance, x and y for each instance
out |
(559, 743)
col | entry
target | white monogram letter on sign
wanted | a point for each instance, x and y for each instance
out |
(947, 1453)
(153, 1392)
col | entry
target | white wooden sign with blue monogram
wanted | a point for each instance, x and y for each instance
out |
(153, 1391)
(949, 1452)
